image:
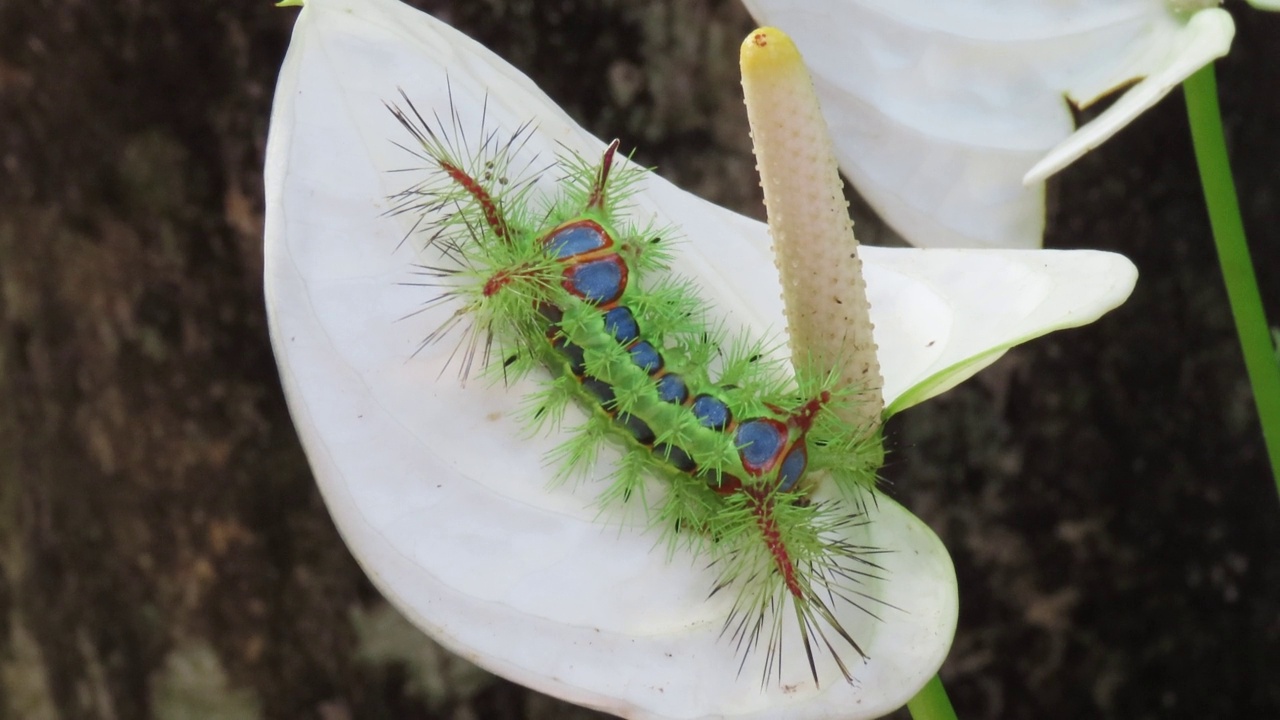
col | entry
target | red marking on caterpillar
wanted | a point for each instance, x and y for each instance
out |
(762, 507)
(803, 418)
(477, 191)
(494, 284)
(577, 295)
(596, 200)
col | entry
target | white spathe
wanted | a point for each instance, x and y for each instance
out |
(445, 502)
(942, 109)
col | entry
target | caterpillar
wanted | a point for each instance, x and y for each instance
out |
(568, 288)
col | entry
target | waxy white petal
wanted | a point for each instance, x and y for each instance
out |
(1206, 37)
(433, 486)
(983, 303)
(939, 109)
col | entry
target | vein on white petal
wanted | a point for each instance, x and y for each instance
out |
(1206, 37)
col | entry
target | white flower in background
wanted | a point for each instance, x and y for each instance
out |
(942, 109)
(448, 506)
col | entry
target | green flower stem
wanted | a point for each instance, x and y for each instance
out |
(931, 703)
(1201, 91)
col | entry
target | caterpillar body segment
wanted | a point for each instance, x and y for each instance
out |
(570, 286)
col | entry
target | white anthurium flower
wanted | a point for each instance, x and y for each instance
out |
(438, 491)
(941, 111)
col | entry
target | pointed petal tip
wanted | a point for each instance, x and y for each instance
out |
(1206, 37)
(1011, 297)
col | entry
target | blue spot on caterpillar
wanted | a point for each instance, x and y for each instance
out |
(576, 291)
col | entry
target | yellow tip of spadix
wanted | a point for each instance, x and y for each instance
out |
(768, 49)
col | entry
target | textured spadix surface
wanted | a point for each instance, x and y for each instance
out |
(441, 497)
(939, 109)
(824, 291)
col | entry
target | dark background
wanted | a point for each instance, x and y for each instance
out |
(164, 552)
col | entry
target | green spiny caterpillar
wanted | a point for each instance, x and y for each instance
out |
(568, 285)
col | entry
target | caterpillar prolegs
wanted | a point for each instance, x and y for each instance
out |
(569, 288)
